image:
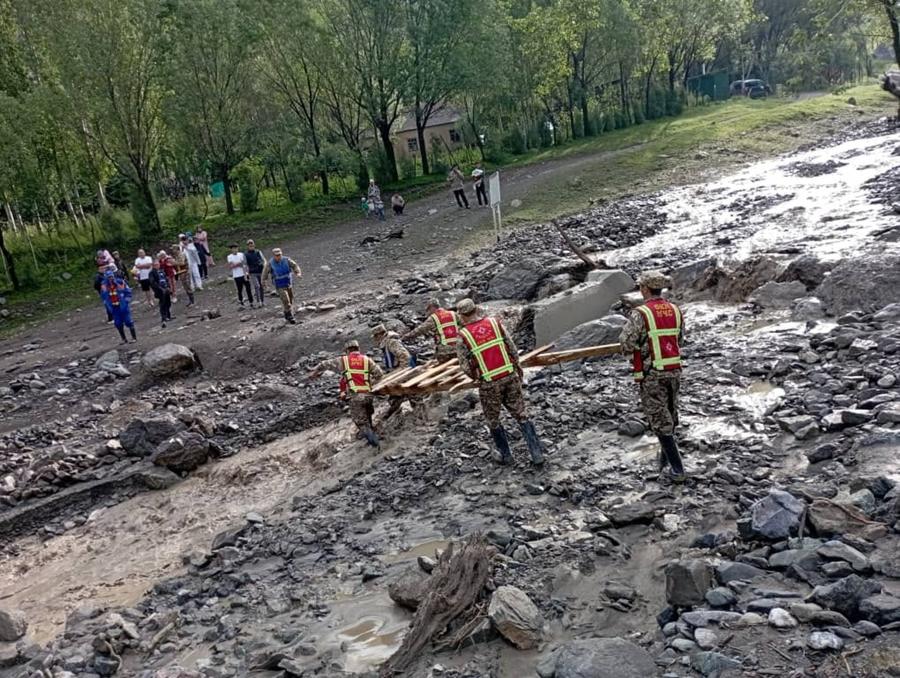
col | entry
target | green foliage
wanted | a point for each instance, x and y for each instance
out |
(362, 176)
(111, 226)
(383, 169)
(407, 167)
(249, 174)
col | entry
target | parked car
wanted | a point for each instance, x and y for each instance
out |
(755, 89)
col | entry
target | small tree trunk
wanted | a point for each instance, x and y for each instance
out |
(323, 178)
(895, 31)
(226, 183)
(384, 131)
(101, 195)
(8, 262)
(421, 121)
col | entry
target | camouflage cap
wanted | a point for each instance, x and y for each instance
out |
(378, 330)
(433, 303)
(466, 307)
(655, 280)
(351, 344)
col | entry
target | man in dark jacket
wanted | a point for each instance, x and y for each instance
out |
(159, 283)
(255, 265)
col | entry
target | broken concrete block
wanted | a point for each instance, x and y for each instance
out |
(590, 300)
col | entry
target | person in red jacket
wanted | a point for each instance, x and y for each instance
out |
(651, 338)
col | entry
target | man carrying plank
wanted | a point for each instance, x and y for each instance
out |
(651, 339)
(395, 356)
(443, 325)
(359, 372)
(488, 355)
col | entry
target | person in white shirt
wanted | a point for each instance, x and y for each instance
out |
(237, 262)
(144, 265)
(193, 258)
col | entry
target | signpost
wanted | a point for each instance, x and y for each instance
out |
(494, 194)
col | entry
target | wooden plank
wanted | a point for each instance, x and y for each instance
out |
(576, 354)
(394, 377)
(452, 368)
(428, 373)
(525, 357)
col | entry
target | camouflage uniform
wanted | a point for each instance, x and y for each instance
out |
(506, 391)
(659, 388)
(390, 343)
(286, 294)
(362, 405)
(182, 271)
(442, 352)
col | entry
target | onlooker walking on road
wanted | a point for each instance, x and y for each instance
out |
(282, 269)
(98, 287)
(478, 182)
(456, 181)
(255, 266)
(374, 191)
(397, 203)
(237, 262)
(201, 240)
(117, 297)
(143, 264)
(159, 282)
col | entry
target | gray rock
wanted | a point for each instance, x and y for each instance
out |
(170, 360)
(801, 426)
(781, 618)
(159, 478)
(866, 283)
(880, 609)
(183, 452)
(518, 280)
(728, 572)
(687, 582)
(108, 360)
(684, 645)
(144, 433)
(602, 658)
(845, 595)
(706, 639)
(807, 269)
(824, 640)
(864, 500)
(721, 597)
(410, 588)
(516, 617)
(631, 428)
(628, 514)
(778, 295)
(713, 663)
(777, 515)
(605, 330)
(269, 391)
(698, 618)
(822, 452)
(867, 629)
(889, 415)
(13, 624)
(809, 308)
(837, 550)
(804, 612)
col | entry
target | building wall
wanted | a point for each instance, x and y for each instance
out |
(450, 133)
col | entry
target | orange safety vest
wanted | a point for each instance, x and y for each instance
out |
(356, 372)
(447, 327)
(662, 321)
(485, 340)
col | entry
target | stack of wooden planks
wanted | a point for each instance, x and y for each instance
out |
(432, 377)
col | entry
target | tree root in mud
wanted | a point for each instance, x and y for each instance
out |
(456, 586)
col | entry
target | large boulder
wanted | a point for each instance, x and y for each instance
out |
(749, 275)
(170, 360)
(807, 269)
(183, 452)
(776, 516)
(13, 625)
(845, 595)
(777, 294)
(598, 658)
(698, 276)
(880, 609)
(518, 280)
(516, 617)
(829, 519)
(687, 582)
(605, 330)
(866, 283)
(592, 299)
(144, 433)
(409, 588)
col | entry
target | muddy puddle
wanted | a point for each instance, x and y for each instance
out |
(122, 550)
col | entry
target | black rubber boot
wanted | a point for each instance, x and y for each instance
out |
(502, 443)
(133, 333)
(121, 331)
(673, 457)
(371, 437)
(535, 448)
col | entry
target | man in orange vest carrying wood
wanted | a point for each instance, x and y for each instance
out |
(488, 355)
(358, 375)
(443, 326)
(651, 338)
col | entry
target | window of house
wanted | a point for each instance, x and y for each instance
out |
(412, 145)
(455, 136)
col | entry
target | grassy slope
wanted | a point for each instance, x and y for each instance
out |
(647, 157)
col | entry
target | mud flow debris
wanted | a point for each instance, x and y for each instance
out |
(225, 520)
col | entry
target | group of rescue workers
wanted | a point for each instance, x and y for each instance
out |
(487, 354)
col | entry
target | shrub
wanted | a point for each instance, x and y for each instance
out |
(111, 226)
(248, 173)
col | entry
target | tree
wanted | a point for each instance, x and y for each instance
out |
(892, 13)
(294, 67)
(369, 41)
(108, 57)
(210, 49)
(437, 32)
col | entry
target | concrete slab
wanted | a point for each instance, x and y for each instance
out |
(590, 300)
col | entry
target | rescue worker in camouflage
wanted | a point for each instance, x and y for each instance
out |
(651, 338)
(394, 356)
(443, 326)
(360, 373)
(488, 355)
(182, 273)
